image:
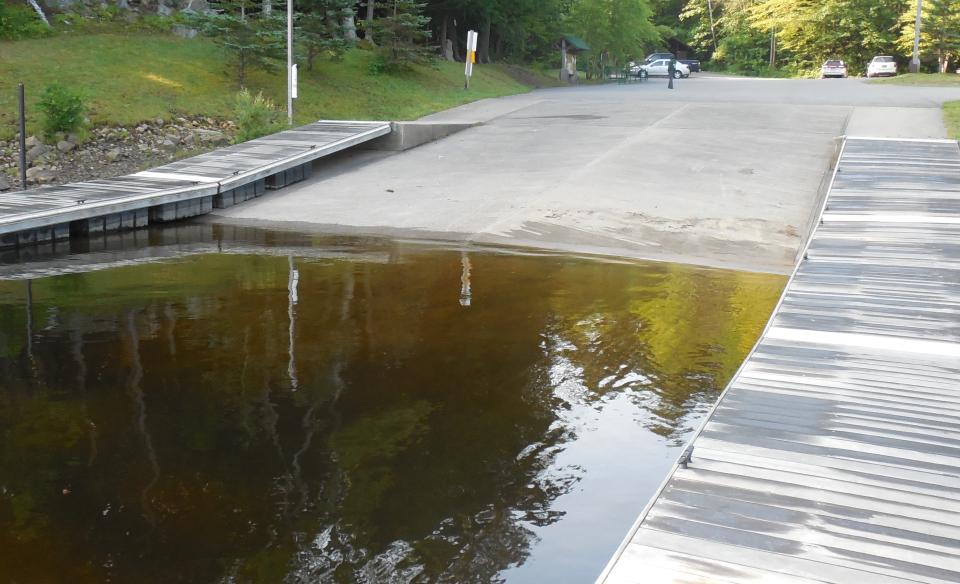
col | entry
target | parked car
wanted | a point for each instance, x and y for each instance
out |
(659, 68)
(657, 56)
(693, 64)
(882, 66)
(833, 68)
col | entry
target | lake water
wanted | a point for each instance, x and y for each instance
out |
(211, 404)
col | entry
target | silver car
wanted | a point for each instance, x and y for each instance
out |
(833, 68)
(660, 68)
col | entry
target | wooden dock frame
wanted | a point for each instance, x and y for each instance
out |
(833, 456)
(176, 191)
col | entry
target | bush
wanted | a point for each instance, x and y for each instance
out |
(62, 109)
(255, 116)
(20, 22)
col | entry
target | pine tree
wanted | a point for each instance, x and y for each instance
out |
(320, 27)
(253, 39)
(401, 34)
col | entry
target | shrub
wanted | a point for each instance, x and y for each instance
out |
(62, 109)
(255, 116)
(20, 22)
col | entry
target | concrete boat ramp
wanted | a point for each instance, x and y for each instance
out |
(834, 453)
(179, 190)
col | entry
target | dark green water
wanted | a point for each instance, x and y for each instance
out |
(279, 408)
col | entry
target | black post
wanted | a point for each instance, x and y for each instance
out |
(23, 140)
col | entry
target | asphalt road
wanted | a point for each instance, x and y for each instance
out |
(721, 171)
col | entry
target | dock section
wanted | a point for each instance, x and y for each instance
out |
(834, 454)
(182, 189)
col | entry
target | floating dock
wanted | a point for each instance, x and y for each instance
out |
(833, 456)
(179, 190)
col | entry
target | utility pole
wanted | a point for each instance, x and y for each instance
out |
(290, 62)
(713, 30)
(915, 61)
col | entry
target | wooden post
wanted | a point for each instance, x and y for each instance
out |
(23, 139)
(563, 59)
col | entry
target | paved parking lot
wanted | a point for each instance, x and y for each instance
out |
(720, 171)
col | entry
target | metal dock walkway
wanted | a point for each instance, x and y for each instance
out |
(834, 453)
(174, 191)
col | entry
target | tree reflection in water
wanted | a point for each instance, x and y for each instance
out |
(339, 416)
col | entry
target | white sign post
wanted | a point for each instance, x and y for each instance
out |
(471, 56)
(291, 72)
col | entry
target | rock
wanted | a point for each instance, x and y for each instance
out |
(33, 142)
(4, 183)
(73, 138)
(159, 122)
(114, 155)
(65, 146)
(35, 153)
(213, 136)
(169, 145)
(201, 6)
(189, 139)
(40, 175)
(183, 31)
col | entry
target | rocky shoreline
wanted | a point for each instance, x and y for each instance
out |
(111, 150)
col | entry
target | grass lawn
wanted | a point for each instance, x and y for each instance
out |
(127, 78)
(940, 79)
(951, 118)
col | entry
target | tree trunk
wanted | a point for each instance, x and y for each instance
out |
(483, 48)
(267, 6)
(446, 45)
(455, 42)
(368, 22)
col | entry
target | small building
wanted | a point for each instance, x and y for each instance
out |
(570, 47)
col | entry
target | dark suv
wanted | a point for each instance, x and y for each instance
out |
(657, 56)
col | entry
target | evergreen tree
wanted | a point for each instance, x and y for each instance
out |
(321, 28)
(401, 34)
(252, 38)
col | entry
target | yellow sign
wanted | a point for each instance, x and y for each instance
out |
(473, 56)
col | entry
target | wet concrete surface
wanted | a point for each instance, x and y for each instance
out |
(721, 171)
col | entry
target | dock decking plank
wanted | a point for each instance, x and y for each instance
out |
(834, 454)
(199, 176)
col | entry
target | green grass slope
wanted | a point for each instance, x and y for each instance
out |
(127, 78)
(936, 79)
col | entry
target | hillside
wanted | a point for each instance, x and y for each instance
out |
(128, 78)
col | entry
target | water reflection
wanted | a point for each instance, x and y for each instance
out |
(303, 410)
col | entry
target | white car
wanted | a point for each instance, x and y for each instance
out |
(833, 68)
(659, 68)
(881, 66)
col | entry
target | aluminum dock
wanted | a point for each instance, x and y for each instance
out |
(179, 190)
(834, 453)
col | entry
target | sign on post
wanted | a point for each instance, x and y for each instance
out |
(471, 56)
(293, 81)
